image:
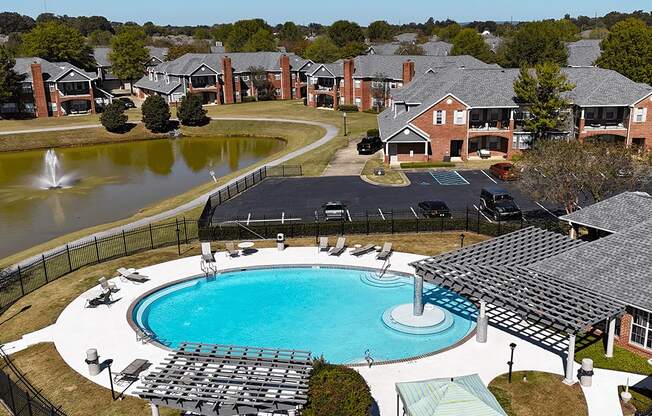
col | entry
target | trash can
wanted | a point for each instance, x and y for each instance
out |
(93, 361)
(280, 241)
(586, 372)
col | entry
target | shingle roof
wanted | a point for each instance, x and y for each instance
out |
(406, 37)
(101, 54)
(583, 52)
(50, 70)
(159, 84)
(430, 48)
(615, 214)
(492, 41)
(241, 62)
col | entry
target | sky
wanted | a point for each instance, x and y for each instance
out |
(208, 12)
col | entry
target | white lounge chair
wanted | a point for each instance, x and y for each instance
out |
(132, 275)
(362, 250)
(385, 252)
(230, 248)
(207, 252)
(339, 248)
(107, 286)
(97, 299)
(323, 244)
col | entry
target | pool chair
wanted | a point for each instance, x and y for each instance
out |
(131, 373)
(339, 248)
(323, 244)
(103, 298)
(107, 286)
(362, 250)
(231, 250)
(385, 252)
(132, 275)
(207, 253)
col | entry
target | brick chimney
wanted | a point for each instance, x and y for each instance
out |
(286, 78)
(349, 70)
(227, 76)
(408, 71)
(38, 88)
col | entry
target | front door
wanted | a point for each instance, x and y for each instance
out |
(456, 148)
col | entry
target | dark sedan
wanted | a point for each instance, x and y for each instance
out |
(434, 209)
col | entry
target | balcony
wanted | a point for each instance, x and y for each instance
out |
(596, 125)
(494, 125)
(202, 82)
(489, 119)
(605, 118)
(72, 89)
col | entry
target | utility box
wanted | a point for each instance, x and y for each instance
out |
(280, 241)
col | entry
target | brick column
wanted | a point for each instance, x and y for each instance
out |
(286, 78)
(218, 94)
(38, 88)
(227, 73)
(408, 71)
(349, 69)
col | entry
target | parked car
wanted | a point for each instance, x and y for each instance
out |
(334, 211)
(369, 145)
(434, 209)
(504, 171)
(498, 203)
(128, 102)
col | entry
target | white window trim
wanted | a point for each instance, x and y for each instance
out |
(443, 117)
(357, 83)
(642, 113)
(459, 117)
(648, 330)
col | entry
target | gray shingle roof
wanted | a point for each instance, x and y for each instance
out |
(599, 87)
(159, 84)
(493, 41)
(101, 54)
(50, 70)
(615, 214)
(430, 48)
(583, 52)
(241, 62)
(406, 37)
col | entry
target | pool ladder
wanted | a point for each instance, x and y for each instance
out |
(209, 269)
(380, 273)
(368, 358)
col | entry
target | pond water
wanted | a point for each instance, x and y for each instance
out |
(109, 182)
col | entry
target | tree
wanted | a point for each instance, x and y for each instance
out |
(128, 54)
(100, 38)
(449, 32)
(344, 32)
(561, 172)
(242, 31)
(57, 42)
(263, 40)
(336, 390)
(380, 31)
(10, 80)
(322, 50)
(114, 118)
(353, 49)
(289, 32)
(191, 112)
(260, 82)
(202, 33)
(11, 22)
(221, 32)
(540, 91)
(409, 48)
(156, 114)
(470, 42)
(380, 90)
(176, 51)
(628, 50)
(534, 43)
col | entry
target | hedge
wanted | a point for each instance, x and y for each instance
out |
(417, 165)
(348, 108)
(373, 133)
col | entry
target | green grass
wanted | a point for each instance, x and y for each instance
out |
(422, 165)
(391, 177)
(39, 123)
(623, 360)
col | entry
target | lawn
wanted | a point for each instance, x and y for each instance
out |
(47, 122)
(73, 392)
(391, 177)
(623, 360)
(542, 394)
(641, 400)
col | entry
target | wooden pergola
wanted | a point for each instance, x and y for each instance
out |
(227, 380)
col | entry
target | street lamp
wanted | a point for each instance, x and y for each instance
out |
(510, 363)
(461, 240)
(344, 117)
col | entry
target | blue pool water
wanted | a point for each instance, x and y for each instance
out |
(327, 311)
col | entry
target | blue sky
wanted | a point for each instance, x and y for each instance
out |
(363, 11)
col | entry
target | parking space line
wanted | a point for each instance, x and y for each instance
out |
(248, 218)
(461, 177)
(545, 209)
(381, 214)
(487, 175)
(282, 217)
(348, 214)
(415, 214)
(482, 213)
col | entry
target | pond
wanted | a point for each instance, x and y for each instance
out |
(104, 183)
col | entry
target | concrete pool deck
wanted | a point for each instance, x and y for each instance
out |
(107, 329)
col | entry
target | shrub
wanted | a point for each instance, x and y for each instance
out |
(156, 114)
(348, 108)
(249, 99)
(373, 133)
(191, 112)
(114, 118)
(417, 165)
(336, 390)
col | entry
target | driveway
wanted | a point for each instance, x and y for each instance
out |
(347, 161)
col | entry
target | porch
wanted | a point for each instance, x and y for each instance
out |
(488, 147)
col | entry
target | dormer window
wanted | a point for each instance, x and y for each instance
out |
(151, 75)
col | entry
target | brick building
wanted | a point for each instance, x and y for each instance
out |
(227, 78)
(455, 113)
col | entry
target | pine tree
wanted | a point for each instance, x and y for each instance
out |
(156, 114)
(114, 118)
(10, 80)
(191, 112)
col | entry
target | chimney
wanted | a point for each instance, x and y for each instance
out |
(286, 78)
(408, 71)
(227, 76)
(38, 88)
(349, 70)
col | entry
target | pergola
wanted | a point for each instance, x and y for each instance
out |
(496, 273)
(226, 380)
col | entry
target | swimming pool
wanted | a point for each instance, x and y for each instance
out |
(334, 312)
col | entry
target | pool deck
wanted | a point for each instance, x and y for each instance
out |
(108, 330)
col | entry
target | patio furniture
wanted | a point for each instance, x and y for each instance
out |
(247, 247)
(230, 248)
(339, 248)
(107, 286)
(132, 275)
(362, 250)
(484, 153)
(132, 372)
(385, 252)
(103, 298)
(323, 244)
(207, 253)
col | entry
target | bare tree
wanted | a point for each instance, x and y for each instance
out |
(380, 90)
(260, 82)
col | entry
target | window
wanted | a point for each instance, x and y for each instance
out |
(610, 113)
(277, 91)
(439, 117)
(277, 77)
(358, 102)
(376, 84)
(589, 114)
(27, 87)
(460, 117)
(640, 114)
(475, 115)
(357, 83)
(642, 329)
(245, 77)
(176, 97)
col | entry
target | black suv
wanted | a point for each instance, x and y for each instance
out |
(499, 204)
(434, 209)
(369, 145)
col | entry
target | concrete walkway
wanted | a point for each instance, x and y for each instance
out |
(331, 133)
(347, 161)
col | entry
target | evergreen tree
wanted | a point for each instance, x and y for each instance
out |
(191, 112)
(128, 54)
(156, 114)
(10, 80)
(628, 50)
(114, 118)
(470, 42)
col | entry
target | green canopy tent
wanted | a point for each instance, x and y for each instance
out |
(465, 395)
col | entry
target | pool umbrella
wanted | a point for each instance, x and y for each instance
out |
(465, 395)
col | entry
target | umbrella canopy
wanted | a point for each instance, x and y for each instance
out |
(465, 395)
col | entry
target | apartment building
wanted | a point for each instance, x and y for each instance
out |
(462, 113)
(107, 80)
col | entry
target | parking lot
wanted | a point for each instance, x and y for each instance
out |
(300, 199)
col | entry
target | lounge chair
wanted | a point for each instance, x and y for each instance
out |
(103, 298)
(323, 244)
(362, 250)
(230, 248)
(132, 275)
(339, 248)
(385, 252)
(107, 286)
(132, 372)
(207, 253)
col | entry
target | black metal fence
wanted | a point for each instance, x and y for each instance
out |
(20, 396)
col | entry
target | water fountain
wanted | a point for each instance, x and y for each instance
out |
(51, 179)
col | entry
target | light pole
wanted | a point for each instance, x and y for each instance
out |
(510, 363)
(344, 117)
(461, 240)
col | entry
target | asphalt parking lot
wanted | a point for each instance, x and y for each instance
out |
(300, 199)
